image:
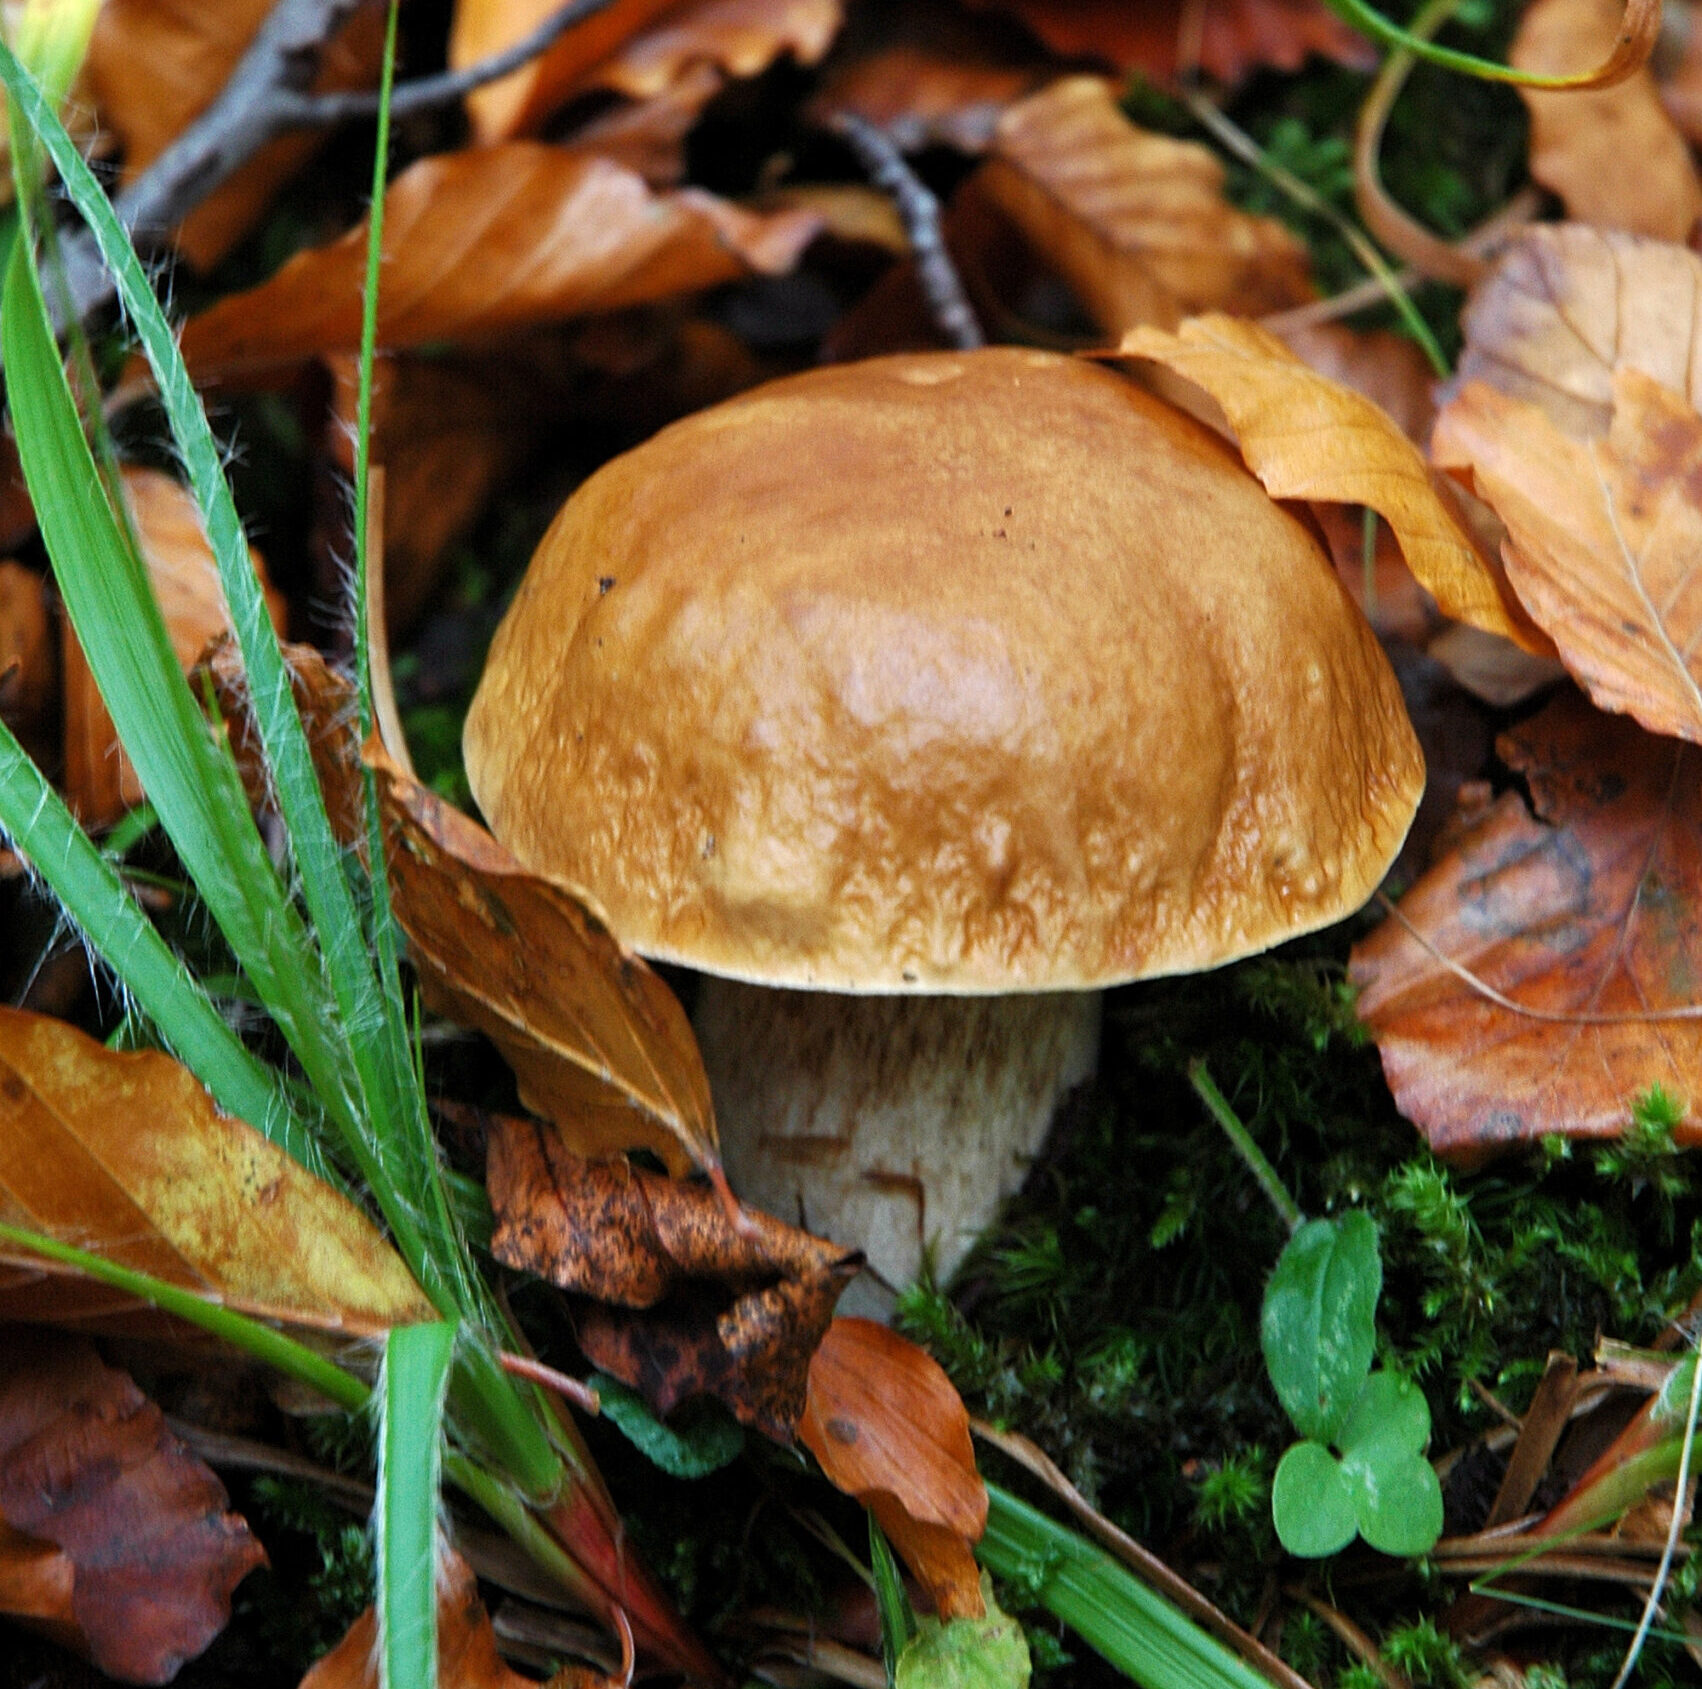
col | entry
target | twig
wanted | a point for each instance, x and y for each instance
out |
(1356, 1640)
(569, 1389)
(919, 211)
(269, 95)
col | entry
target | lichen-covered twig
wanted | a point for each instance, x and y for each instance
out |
(919, 211)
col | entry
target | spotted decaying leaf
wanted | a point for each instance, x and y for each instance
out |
(1605, 538)
(113, 1537)
(1583, 905)
(1566, 306)
(599, 1044)
(467, 1656)
(706, 1306)
(1136, 222)
(887, 1427)
(1307, 437)
(1581, 138)
(489, 241)
(125, 1154)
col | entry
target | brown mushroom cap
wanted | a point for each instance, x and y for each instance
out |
(951, 673)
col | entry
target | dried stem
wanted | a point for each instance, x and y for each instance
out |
(919, 211)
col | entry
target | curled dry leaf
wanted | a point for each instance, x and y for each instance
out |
(1605, 538)
(113, 1536)
(1308, 437)
(485, 242)
(126, 1155)
(888, 1428)
(100, 783)
(467, 1657)
(156, 65)
(1227, 39)
(1582, 139)
(1583, 905)
(639, 48)
(1137, 223)
(717, 1308)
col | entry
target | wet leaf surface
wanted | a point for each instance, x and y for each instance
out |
(1582, 904)
(705, 1307)
(112, 1534)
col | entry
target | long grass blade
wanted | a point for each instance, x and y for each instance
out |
(410, 1473)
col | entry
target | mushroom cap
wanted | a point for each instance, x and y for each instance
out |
(965, 672)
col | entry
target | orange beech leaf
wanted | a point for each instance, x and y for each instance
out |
(1227, 39)
(1567, 305)
(1605, 538)
(1307, 437)
(466, 1645)
(156, 65)
(888, 1428)
(125, 1155)
(99, 782)
(1581, 139)
(732, 1310)
(481, 243)
(1137, 223)
(1582, 905)
(598, 1042)
(113, 1536)
(639, 48)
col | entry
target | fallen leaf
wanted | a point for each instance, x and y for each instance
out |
(639, 48)
(1678, 62)
(1582, 138)
(1492, 668)
(1308, 437)
(125, 1154)
(99, 782)
(1606, 538)
(648, 137)
(481, 243)
(598, 1042)
(733, 1311)
(887, 1427)
(28, 672)
(1581, 905)
(1388, 368)
(1227, 39)
(466, 1645)
(1567, 305)
(111, 1532)
(155, 65)
(1136, 223)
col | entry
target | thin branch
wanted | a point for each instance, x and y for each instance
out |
(919, 211)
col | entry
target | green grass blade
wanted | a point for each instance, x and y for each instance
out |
(1135, 1628)
(253, 1338)
(88, 886)
(410, 1471)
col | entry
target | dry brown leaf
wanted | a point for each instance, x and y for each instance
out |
(1606, 538)
(126, 1155)
(1226, 38)
(1585, 904)
(1389, 369)
(887, 1427)
(481, 243)
(156, 65)
(466, 1644)
(28, 672)
(113, 1536)
(1613, 155)
(100, 783)
(639, 48)
(1136, 223)
(1567, 305)
(718, 1308)
(1307, 437)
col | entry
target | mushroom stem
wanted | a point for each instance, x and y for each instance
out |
(890, 1123)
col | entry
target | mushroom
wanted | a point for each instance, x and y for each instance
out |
(914, 702)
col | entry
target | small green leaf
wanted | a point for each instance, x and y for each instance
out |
(1397, 1499)
(702, 1438)
(1312, 1505)
(984, 1653)
(1319, 1322)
